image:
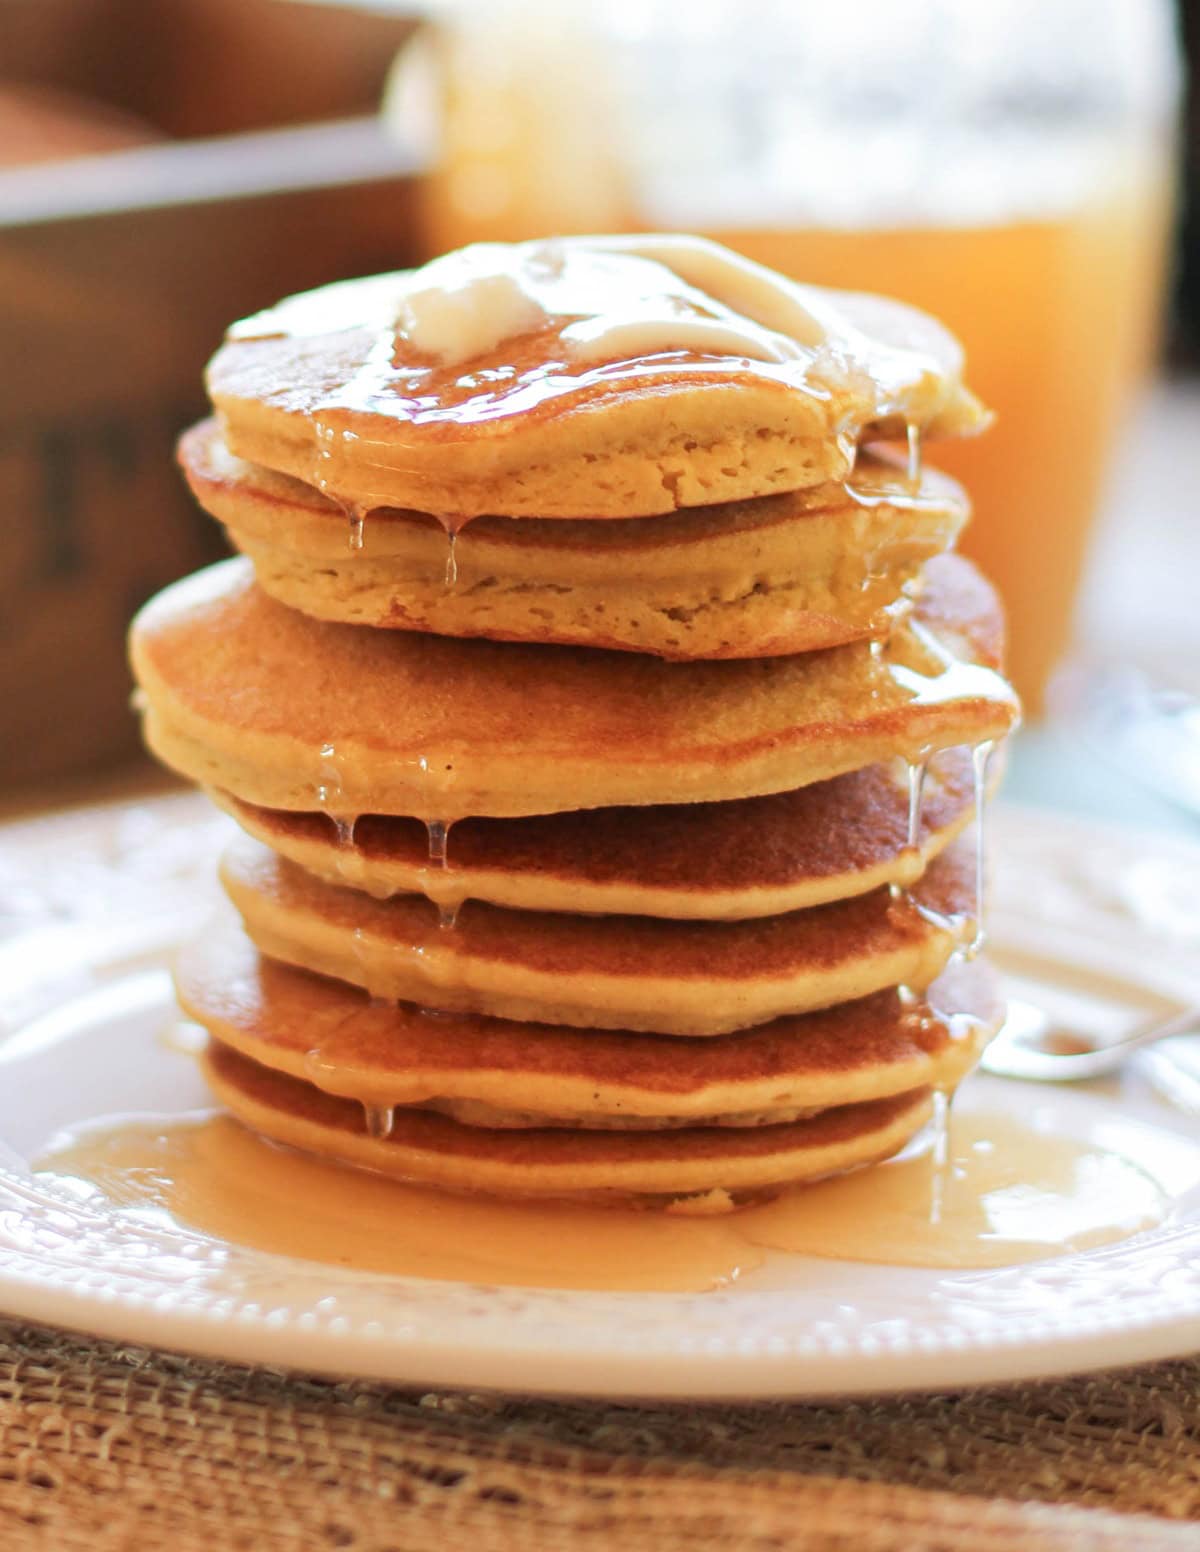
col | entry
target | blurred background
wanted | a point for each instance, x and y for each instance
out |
(1029, 170)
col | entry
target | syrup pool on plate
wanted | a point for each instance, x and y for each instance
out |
(990, 1191)
(210, 1175)
(995, 1192)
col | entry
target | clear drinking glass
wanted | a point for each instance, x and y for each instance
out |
(1005, 165)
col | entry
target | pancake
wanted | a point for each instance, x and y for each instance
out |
(246, 695)
(715, 861)
(787, 573)
(496, 1073)
(432, 1149)
(329, 388)
(607, 972)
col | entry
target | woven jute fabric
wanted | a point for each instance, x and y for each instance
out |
(106, 1447)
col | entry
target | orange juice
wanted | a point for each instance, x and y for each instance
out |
(1012, 180)
(1058, 318)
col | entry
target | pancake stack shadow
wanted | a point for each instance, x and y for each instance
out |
(622, 857)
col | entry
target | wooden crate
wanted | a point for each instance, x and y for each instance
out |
(117, 277)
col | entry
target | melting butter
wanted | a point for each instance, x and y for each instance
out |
(630, 297)
(626, 298)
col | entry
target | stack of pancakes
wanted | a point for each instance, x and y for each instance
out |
(602, 738)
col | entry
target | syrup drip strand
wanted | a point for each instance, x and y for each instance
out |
(980, 757)
(917, 771)
(324, 435)
(451, 576)
(330, 786)
(967, 927)
(438, 832)
(330, 443)
(329, 797)
(379, 1120)
(914, 455)
(940, 1153)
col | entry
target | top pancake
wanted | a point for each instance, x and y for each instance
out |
(287, 712)
(327, 387)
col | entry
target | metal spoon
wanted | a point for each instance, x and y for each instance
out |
(1032, 1045)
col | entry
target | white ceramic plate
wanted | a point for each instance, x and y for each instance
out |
(90, 904)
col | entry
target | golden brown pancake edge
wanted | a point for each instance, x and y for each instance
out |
(332, 1035)
(431, 1149)
(640, 973)
(716, 861)
(286, 712)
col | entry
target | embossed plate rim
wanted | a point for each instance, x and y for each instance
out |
(64, 1263)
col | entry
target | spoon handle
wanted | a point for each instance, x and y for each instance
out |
(1185, 1022)
(1014, 1059)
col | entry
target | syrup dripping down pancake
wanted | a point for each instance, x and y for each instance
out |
(282, 711)
(715, 861)
(432, 1149)
(325, 388)
(780, 574)
(614, 972)
(495, 1073)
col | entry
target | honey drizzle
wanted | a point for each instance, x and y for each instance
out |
(969, 936)
(448, 902)
(918, 770)
(379, 1120)
(329, 788)
(952, 678)
(323, 437)
(939, 1152)
(330, 441)
(438, 832)
(981, 756)
(914, 469)
(968, 928)
(329, 801)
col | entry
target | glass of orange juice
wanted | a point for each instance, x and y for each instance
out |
(1004, 165)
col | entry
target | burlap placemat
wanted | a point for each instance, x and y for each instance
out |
(105, 1447)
